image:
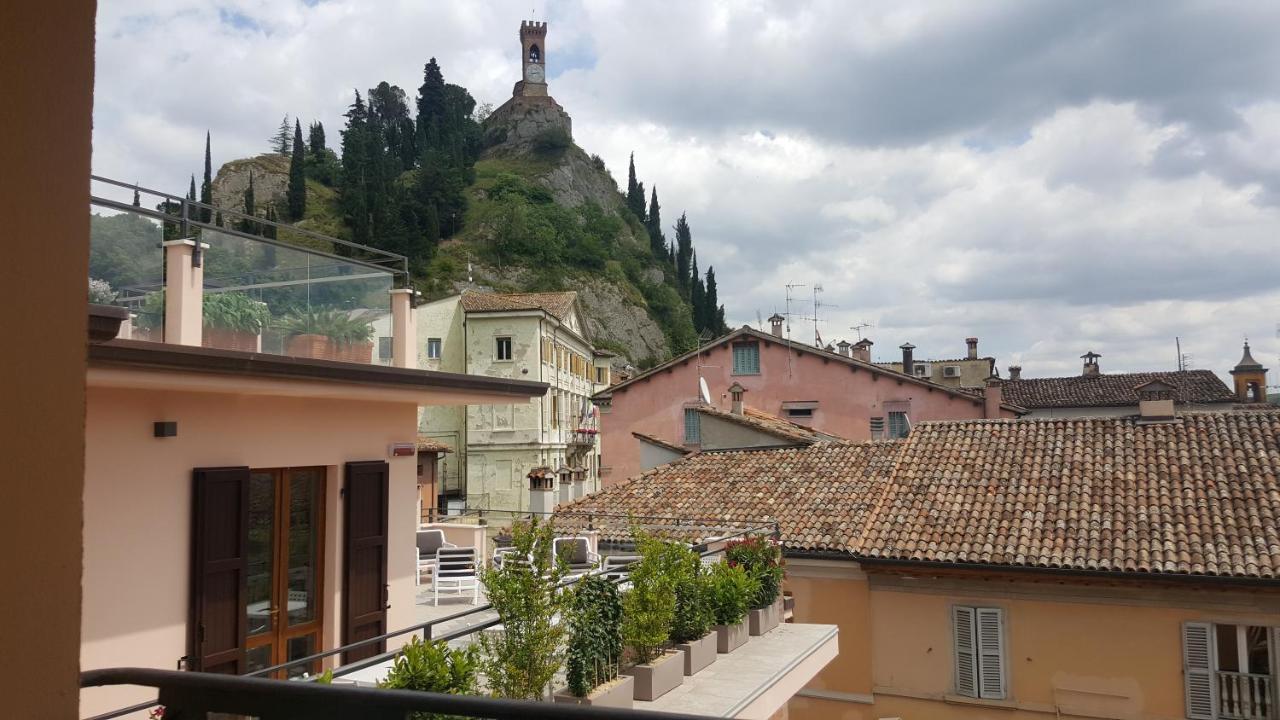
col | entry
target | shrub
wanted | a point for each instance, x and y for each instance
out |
(100, 292)
(552, 140)
(234, 311)
(521, 660)
(731, 592)
(763, 561)
(151, 311)
(433, 667)
(333, 324)
(694, 612)
(595, 635)
(649, 607)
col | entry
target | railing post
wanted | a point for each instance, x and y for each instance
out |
(183, 292)
(404, 332)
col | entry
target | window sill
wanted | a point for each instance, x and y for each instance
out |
(746, 373)
(980, 702)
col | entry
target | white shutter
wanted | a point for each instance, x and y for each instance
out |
(966, 652)
(1197, 670)
(991, 681)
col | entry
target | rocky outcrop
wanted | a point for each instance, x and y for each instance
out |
(523, 122)
(611, 317)
(270, 181)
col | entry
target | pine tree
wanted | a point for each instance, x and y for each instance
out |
(206, 187)
(355, 167)
(297, 194)
(282, 141)
(684, 253)
(653, 223)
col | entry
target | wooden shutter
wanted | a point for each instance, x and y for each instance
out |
(1197, 669)
(219, 569)
(364, 587)
(991, 681)
(966, 651)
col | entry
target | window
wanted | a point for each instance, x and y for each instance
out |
(979, 650)
(800, 412)
(384, 348)
(602, 375)
(746, 358)
(899, 425)
(433, 348)
(555, 410)
(692, 427)
(877, 428)
(504, 348)
(1227, 670)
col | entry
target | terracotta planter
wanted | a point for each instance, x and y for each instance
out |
(659, 677)
(361, 353)
(616, 693)
(699, 653)
(311, 346)
(762, 620)
(225, 339)
(731, 637)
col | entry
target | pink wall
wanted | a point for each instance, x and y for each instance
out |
(137, 502)
(847, 399)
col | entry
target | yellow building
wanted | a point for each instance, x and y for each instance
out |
(1069, 568)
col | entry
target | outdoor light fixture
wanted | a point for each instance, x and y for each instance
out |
(402, 450)
(166, 428)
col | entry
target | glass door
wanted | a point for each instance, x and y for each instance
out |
(286, 526)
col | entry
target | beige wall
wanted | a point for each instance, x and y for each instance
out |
(720, 434)
(46, 58)
(138, 508)
(1073, 650)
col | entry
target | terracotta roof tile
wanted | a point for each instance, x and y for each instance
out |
(1114, 390)
(430, 444)
(558, 304)
(661, 443)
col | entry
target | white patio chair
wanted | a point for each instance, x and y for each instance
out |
(617, 566)
(456, 568)
(578, 551)
(429, 541)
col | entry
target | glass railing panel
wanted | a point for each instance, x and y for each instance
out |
(126, 268)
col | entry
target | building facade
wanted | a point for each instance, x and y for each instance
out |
(970, 371)
(528, 336)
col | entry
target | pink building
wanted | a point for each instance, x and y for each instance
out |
(833, 393)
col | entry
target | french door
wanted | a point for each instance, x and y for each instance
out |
(284, 601)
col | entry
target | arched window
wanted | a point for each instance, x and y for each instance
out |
(1255, 393)
(535, 55)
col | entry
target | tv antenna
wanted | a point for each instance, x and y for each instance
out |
(817, 337)
(859, 327)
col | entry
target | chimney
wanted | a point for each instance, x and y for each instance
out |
(736, 392)
(862, 350)
(992, 398)
(1091, 364)
(775, 324)
(973, 347)
(843, 347)
(908, 365)
(542, 491)
(1155, 400)
(1015, 372)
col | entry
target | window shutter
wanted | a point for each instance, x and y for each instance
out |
(219, 567)
(364, 587)
(1197, 669)
(966, 653)
(991, 653)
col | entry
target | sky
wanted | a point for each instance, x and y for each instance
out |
(1050, 177)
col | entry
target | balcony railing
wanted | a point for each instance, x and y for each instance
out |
(1245, 696)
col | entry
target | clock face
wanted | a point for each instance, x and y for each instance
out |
(533, 72)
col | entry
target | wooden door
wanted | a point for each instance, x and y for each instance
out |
(364, 591)
(220, 512)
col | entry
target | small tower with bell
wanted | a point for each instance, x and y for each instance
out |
(1250, 378)
(533, 59)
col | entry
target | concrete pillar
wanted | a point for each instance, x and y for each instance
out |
(404, 329)
(183, 293)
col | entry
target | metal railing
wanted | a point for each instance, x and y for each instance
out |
(714, 531)
(1245, 696)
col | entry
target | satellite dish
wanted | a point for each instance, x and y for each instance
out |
(706, 393)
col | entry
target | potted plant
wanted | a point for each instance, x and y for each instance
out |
(648, 609)
(520, 660)
(762, 559)
(328, 335)
(595, 647)
(233, 321)
(731, 592)
(432, 667)
(691, 630)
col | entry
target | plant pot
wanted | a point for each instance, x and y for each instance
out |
(361, 353)
(788, 607)
(655, 679)
(311, 346)
(616, 693)
(227, 339)
(731, 637)
(762, 620)
(699, 653)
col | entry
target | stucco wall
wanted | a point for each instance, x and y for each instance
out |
(137, 501)
(720, 434)
(652, 456)
(847, 399)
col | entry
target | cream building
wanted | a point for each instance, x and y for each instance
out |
(522, 336)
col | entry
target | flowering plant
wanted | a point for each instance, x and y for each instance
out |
(762, 559)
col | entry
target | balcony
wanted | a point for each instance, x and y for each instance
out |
(192, 274)
(1245, 696)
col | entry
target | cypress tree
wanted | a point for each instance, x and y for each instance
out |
(354, 171)
(711, 304)
(634, 195)
(191, 193)
(431, 225)
(250, 204)
(638, 208)
(137, 199)
(697, 296)
(217, 219)
(206, 187)
(431, 107)
(297, 195)
(684, 253)
(282, 140)
(316, 147)
(657, 243)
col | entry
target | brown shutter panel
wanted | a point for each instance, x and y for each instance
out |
(364, 591)
(219, 565)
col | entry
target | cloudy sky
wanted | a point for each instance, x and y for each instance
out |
(1052, 177)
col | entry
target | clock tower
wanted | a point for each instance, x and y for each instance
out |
(533, 59)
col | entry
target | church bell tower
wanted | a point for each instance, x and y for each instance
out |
(533, 59)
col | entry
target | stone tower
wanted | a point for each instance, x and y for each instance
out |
(1250, 379)
(531, 118)
(533, 59)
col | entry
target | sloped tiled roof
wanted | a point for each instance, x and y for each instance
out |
(1199, 495)
(558, 304)
(769, 424)
(430, 444)
(819, 495)
(1113, 390)
(661, 443)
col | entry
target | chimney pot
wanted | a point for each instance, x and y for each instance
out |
(1155, 400)
(1015, 372)
(736, 391)
(1091, 368)
(908, 363)
(973, 347)
(843, 347)
(775, 324)
(862, 350)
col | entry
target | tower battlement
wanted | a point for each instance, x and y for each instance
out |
(532, 28)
